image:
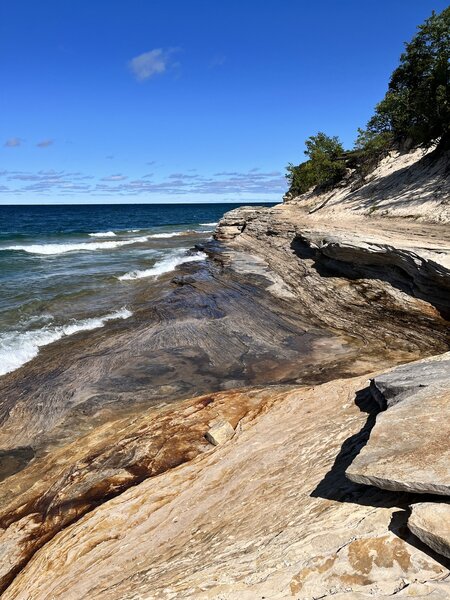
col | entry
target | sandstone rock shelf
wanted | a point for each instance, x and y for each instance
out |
(270, 513)
(291, 333)
(430, 522)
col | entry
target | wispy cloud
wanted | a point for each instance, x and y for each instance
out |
(151, 63)
(50, 182)
(13, 142)
(116, 177)
(45, 143)
(217, 61)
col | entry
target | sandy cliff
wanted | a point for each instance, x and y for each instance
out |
(293, 333)
(415, 186)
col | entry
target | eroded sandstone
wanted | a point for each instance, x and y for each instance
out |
(110, 487)
(430, 522)
(268, 514)
(56, 490)
(409, 446)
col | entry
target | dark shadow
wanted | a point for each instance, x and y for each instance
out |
(399, 527)
(430, 286)
(335, 485)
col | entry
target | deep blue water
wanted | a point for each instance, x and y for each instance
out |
(45, 220)
(65, 269)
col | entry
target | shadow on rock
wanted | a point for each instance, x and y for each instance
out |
(399, 527)
(336, 486)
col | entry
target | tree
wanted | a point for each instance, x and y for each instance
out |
(325, 166)
(416, 108)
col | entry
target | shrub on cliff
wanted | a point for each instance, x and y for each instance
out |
(370, 148)
(416, 107)
(324, 168)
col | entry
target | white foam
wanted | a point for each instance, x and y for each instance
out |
(63, 248)
(169, 234)
(172, 234)
(164, 266)
(18, 348)
(208, 224)
(102, 234)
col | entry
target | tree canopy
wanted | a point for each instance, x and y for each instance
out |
(325, 165)
(416, 107)
(414, 112)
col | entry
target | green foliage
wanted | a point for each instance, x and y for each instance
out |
(416, 108)
(370, 148)
(324, 168)
(414, 112)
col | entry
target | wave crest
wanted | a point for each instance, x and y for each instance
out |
(102, 234)
(163, 266)
(169, 234)
(49, 249)
(18, 348)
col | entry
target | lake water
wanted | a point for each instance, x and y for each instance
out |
(65, 269)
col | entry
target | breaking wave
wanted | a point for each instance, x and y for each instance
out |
(18, 348)
(102, 234)
(163, 266)
(77, 247)
(169, 234)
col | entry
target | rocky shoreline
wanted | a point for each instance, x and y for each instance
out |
(272, 423)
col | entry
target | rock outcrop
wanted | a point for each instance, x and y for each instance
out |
(409, 447)
(414, 185)
(109, 487)
(220, 432)
(430, 522)
(269, 514)
(411, 380)
(54, 491)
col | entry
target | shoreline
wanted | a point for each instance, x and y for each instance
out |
(261, 324)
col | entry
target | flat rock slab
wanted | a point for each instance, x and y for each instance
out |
(411, 379)
(430, 522)
(409, 447)
(263, 516)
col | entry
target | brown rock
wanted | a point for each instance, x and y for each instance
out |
(54, 491)
(269, 515)
(220, 432)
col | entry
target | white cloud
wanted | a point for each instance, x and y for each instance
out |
(256, 184)
(44, 143)
(13, 142)
(117, 177)
(150, 63)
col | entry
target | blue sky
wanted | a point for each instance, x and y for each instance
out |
(186, 100)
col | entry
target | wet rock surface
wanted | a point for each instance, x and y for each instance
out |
(181, 342)
(111, 490)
